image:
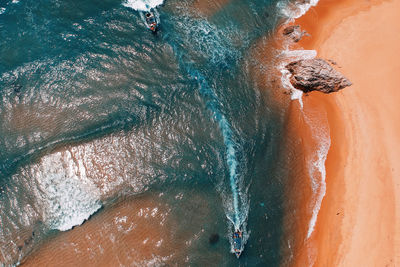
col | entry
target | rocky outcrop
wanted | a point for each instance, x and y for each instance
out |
(294, 32)
(316, 75)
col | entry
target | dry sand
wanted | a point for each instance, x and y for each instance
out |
(358, 224)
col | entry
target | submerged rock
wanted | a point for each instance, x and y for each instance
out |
(214, 238)
(316, 75)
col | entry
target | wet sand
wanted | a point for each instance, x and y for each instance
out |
(358, 224)
(209, 7)
(133, 231)
(145, 230)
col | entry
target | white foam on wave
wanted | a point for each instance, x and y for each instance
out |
(68, 197)
(317, 171)
(287, 57)
(316, 167)
(319, 187)
(3, 9)
(143, 5)
(292, 10)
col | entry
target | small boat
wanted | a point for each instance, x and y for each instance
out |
(151, 21)
(237, 242)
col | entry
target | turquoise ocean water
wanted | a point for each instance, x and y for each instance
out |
(94, 107)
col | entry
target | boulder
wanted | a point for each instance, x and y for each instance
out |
(294, 32)
(316, 75)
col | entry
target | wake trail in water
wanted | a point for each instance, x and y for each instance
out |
(238, 216)
(213, 105)
(143, 5)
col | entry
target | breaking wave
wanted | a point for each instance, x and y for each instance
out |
(288, 56)
(295, 10)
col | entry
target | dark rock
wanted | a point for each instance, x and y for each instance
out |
(294, 32)
(316, 75)
(332, 62)
(214, 238)
(290, 29)
(302, 2)
(17, 88)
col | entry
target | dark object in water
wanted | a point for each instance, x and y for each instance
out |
(151, 21)
(17, 88)
(214, 238)
(237, 242)
(294, 32)
(316, 75)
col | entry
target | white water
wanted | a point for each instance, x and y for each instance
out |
(143, 5)
(316, 166)
(68, 197)
(294, 11)
(316, 163)
(287, 57)
(317, 169)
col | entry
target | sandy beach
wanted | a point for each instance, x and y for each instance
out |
(358, 224)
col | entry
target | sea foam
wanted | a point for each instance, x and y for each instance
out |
(318, 186)
(320, 131)
(68, 197)
(143, 5)
(292, 10)
(316, 168)
(289, 56)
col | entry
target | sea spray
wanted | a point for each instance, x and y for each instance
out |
(316, 168)
(316, 165)
(68, 196)
(319, 186)
(294, 10)
(288, 56)
(143, 5)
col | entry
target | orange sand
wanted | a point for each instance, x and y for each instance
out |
(130, 231)
(358, 224)
(139, 231)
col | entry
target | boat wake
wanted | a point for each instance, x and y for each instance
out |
(143, 5)
(145, 8)
(236, 205)
(234, 199)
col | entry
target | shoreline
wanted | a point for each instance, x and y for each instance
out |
(362, 172)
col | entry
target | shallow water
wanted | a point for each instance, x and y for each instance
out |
(96, 110)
